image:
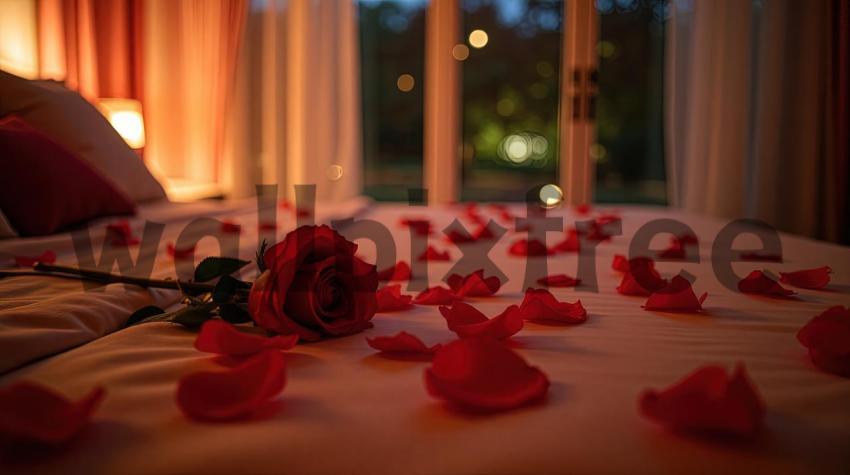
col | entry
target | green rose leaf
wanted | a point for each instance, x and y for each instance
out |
(193, 316)
(234, 313)
(226, 288)
(150, 313)
(213, 267)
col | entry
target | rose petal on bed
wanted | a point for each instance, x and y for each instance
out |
(583, 209)
(120, 234)
(707, 401)
(677, 296)
(421, 227)
(483, 232)
(303, 212)
(30, 412)
(474, 284)
(459, 237)
(390, 299)
(46, 257)
(483, 374)
(466, 321)
(559, 280)
(231, 227)
(526, 247)
(180, 254)
(676, 250)
(622, 264)
(222, 338)
(760, 256)
(597, 230)
(569, 244)
(432, 254)
(640, 278)
(235, 393)
(759, 283)
(541, 305)
(403, 343)
(400, 271)
(808, 278)
(270, 226)
(827, 336)
(435, 296)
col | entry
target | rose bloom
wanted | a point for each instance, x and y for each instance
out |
(314, 286)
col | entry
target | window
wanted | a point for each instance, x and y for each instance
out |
(510, 55)
(392, 52)
(629, 149)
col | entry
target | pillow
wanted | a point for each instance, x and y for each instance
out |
(6, 229)
(45, 188)
(71, 121)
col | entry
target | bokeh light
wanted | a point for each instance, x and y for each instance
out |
(478, 38)
(460, 52)
(405, 83)
(551, 196)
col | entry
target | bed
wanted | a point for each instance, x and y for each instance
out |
(346, 409)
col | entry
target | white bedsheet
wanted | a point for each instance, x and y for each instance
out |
(348, 410)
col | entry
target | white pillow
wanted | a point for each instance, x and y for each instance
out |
(6, 229)
(73, 122)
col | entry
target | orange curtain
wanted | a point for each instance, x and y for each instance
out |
(94, 46)
(191, 49)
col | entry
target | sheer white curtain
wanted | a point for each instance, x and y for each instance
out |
(747, 111)
(297, 119)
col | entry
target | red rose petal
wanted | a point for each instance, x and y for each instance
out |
(466, 321)
(676, 250)
(559, 280)
(483, 232)
(46, 257)
(640, 277)
(120, 234)
(827, 336)
(390, 299)
(432, 254)
(583, 209)
(525, 247)
(483, 374)
(807, 279)
(540, 304)
(620, 263)
(677, 296)
(230, 227)
(270, 226)
(474, 284)
(435, 296)
(569, 244)
(760, 256)
(421, 227)
(222, 338)
(30, 412)
(402, 342)
(400, 271)
(707, 401)
(759, 283)
(458, 237)
(180, 254)
(236, 393)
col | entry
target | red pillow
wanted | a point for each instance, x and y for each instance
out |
(45, 188)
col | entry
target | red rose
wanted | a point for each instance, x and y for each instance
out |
(314, 286)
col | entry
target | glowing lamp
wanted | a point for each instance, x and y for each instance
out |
(125, 115)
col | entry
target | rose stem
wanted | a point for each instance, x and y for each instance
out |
(107, 278)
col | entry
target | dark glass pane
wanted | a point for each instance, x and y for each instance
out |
(392, 53)
(511, 55)
(629, 152)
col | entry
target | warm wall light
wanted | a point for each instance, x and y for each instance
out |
(478, 38)
(125, 115)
